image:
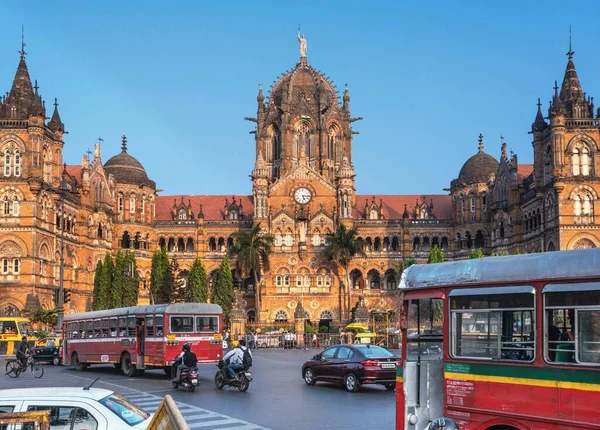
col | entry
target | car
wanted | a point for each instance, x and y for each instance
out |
(48, 350)
(74, 407)
(352, 366)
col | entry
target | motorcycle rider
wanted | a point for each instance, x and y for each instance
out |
(22, 350)
(235, 358)
(184, 361)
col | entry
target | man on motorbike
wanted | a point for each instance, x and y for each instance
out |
(184, 361)
(235, 358)
(22, 350)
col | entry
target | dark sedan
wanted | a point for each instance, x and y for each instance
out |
(48, 351)
(352, 366)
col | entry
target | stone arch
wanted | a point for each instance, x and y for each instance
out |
(374, 279)
(326, 314)
(550, 247)
(583, 138)
(583, 188)
(13, 247)
(357, 279)
(582, 241)
(281, 315)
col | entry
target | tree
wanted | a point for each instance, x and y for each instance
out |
(176, 284)
(476, 253)
(97, 276)
(341, 246)
(197, 285)
(435, 255)
(131, 288)
(159, 288)
(118, 285)
(223, 288)
(251, 251)
(104, 281)
(46, 317)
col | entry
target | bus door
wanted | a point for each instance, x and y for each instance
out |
(140, 341)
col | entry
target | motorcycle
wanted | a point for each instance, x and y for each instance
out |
(241, 381)
(188, 379)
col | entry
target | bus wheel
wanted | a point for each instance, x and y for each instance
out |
(76, 363)
(127, 367)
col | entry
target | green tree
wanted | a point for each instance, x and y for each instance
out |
(435, 255)
(223, 288)
(132, 285)
(97, 277)
(105, 283)
(159, 277)
(197, 285)
(476, 253)
(119, 282)
(251, 251)
(176, 284)
(341, 247)
(48, 318)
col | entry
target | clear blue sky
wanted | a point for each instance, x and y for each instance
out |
(178, 78)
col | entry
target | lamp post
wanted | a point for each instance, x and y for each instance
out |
(61, 291)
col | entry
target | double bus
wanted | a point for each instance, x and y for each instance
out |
(12, 330)
(502, 343)
(137, 338)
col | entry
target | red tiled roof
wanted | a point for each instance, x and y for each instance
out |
(393, 206)
(74, 171)
(212, 206)
(523, 171)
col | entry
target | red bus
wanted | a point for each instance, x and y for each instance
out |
(142, 337)
(502, 343)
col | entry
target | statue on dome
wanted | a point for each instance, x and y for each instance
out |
(302, 41)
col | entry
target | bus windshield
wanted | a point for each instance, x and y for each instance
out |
(26, 329)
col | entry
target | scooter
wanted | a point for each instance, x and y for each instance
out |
(188, 379)
(241, 381)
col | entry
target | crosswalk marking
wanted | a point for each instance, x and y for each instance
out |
(195, 417)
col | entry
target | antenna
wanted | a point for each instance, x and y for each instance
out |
(89, 386)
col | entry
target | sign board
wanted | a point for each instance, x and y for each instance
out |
(168, 417)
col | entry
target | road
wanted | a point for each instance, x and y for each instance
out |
(278, 398)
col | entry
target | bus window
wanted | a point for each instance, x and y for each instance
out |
(149, 326)
(207, 324)
(25, 328)
(182, 324)
(160, 325)
(131, 326)
(97, 324)
(8, 327)
(572, 319)
(105, 327)
(492, 326)
(424, 329)
(113, 325)
(89, 329)
(122, 327)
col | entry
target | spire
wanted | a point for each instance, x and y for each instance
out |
(55, 123)
(124, 147)
(346, 105)
(539, 124)
(21, 93)
(480, 143)
(571, 93)
(260, 98)
(558, 108)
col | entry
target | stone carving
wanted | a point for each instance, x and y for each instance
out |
(291, 304)
(302, 41)
(10, 248)
(96, 150)
(314, 304)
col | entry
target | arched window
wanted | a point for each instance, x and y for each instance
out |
(587, 207)
(182, 214)
(120, 203)
(316, 238)
(332, 138)
(10, 205)
(548, 164)
(212, 244)
(289, 238)
(7, 209)
(132, 204)
(126, 240)
(278, 238)
(281, 316)
(189, 245)
(373, 214)
(17, 163)
(374, 279)
(303, 139)
(326, 315)
(233, 214)
(7, 166)
(275, 143)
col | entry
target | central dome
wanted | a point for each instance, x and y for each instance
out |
(478, 169)
(127, 169)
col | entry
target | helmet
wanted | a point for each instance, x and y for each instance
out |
(443, 424)
(186, 347)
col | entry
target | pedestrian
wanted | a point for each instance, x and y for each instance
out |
(315, 340)
(227, 339)
(141, 334)
(252, 340)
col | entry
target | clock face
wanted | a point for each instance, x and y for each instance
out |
(302, 195)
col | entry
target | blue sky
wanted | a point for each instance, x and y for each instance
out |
(179, 77)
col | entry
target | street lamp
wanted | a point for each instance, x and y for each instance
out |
(62, 190)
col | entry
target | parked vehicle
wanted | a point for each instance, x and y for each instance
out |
(352, 366)
(241, 381)
(48, 350)
(80, 408)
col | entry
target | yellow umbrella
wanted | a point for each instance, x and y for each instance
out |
(357, 327)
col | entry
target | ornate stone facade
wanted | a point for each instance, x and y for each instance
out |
(303, 186)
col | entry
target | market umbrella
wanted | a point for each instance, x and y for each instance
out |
(357, 327)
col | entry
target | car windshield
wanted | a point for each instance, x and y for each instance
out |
(125, 410)
(374, 351)
(26, 329)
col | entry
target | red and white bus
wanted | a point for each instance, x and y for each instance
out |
(143, 337)
(502, 343)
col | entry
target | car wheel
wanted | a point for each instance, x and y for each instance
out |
(390, 386)
(127, 367)
(79, 366)
(309, 377)
(351, 383)
(56, 360)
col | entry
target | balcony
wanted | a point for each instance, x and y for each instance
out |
(584, 122)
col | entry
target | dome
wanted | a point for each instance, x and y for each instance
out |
(127, 170)
(478, 169)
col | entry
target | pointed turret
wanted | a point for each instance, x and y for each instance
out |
(21, 95)
(260, 99)
(558, 107)
(346, 104)
(55, 123)
(539, 124)
(571, 93)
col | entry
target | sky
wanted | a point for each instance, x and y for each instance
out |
(178, 78)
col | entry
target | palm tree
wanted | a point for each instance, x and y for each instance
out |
(341, 246)
(251, 250)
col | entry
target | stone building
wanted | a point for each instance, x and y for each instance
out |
(303, 187)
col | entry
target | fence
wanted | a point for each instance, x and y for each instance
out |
(292, 340)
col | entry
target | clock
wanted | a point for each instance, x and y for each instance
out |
(302, 195)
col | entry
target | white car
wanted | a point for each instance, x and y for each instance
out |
(77, 408)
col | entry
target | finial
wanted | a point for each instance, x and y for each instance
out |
(22, 51)
(35, 87)
(539, 103)
(555, 87)
(124, 145)
(89, 153)
(55, 103)
(570, 53)
(480, 142)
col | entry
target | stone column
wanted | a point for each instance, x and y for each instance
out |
(300, 324)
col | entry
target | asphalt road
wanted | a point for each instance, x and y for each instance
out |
(277, 399)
